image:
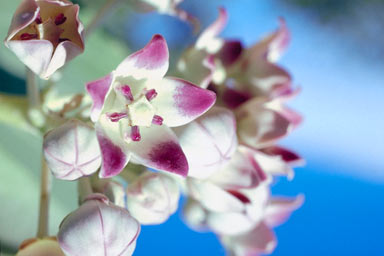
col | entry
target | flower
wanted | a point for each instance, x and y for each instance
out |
(45, 34)
(47, 246)
(135, 105)
(169, 7)
(152, 198)
(98, 228)
(71, 150)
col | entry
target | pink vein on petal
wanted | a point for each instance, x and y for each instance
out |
(102, 229)
(130, 243)
(88, 162)
(57, 159)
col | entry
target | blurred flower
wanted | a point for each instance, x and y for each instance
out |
(245, 207)
(71, 150)
(134, 106)
(40, 247)
(169, 7)
(98, 228)
(152, 198)
(46, 34)
(208, 142)
(259, 241)
(198, 63)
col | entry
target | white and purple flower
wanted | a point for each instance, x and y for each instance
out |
(135, 105)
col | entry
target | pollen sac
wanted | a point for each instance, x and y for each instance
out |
(45, 35)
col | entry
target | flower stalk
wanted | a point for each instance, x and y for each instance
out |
(32, 89)
(44, 201)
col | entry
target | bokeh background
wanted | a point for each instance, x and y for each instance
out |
(336, 56)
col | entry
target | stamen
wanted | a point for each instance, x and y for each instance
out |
(60, 19)
(135, 133)
(27, 36)
(158, 120)
(126, 90)
(151, 94)
(115, 117)
(38, 19)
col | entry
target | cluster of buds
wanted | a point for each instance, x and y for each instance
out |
(210, 134)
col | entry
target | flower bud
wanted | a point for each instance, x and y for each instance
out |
(72, 151)
(152, 198)
(208, 142)
(40, 247)
(46, 34)
(99, 228)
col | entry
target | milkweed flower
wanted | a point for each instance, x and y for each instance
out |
(135, 105)
(98, 228)
(45, 34)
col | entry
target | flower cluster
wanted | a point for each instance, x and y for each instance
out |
(148, 138)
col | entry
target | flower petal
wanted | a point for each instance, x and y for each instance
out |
(159, 149)
(279, 209)
(259, 126)
(25, 14)
(179, 102)
(208, 39)
(114, 155)
(209, 142)
(208, 193)
(242, 171)
(98, 89)
(35, 54)
(150, 62)
(260, 240)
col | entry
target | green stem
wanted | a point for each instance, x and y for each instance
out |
(45, 191)
(32, 90)
(84, 188)
(99, 16)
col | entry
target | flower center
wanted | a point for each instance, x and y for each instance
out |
(46, 29)
(138, 110)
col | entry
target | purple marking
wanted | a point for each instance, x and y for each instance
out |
(234, 99)
(38, 19)
(127, 92)
(135, 133)
(151, 94)
(286, 155)
(169, 156)
(114, 158)
(27, 36)
(158, 120)
(115, 117)
(243, 198)
(230, 52)
(60, 19)
(192, 100)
